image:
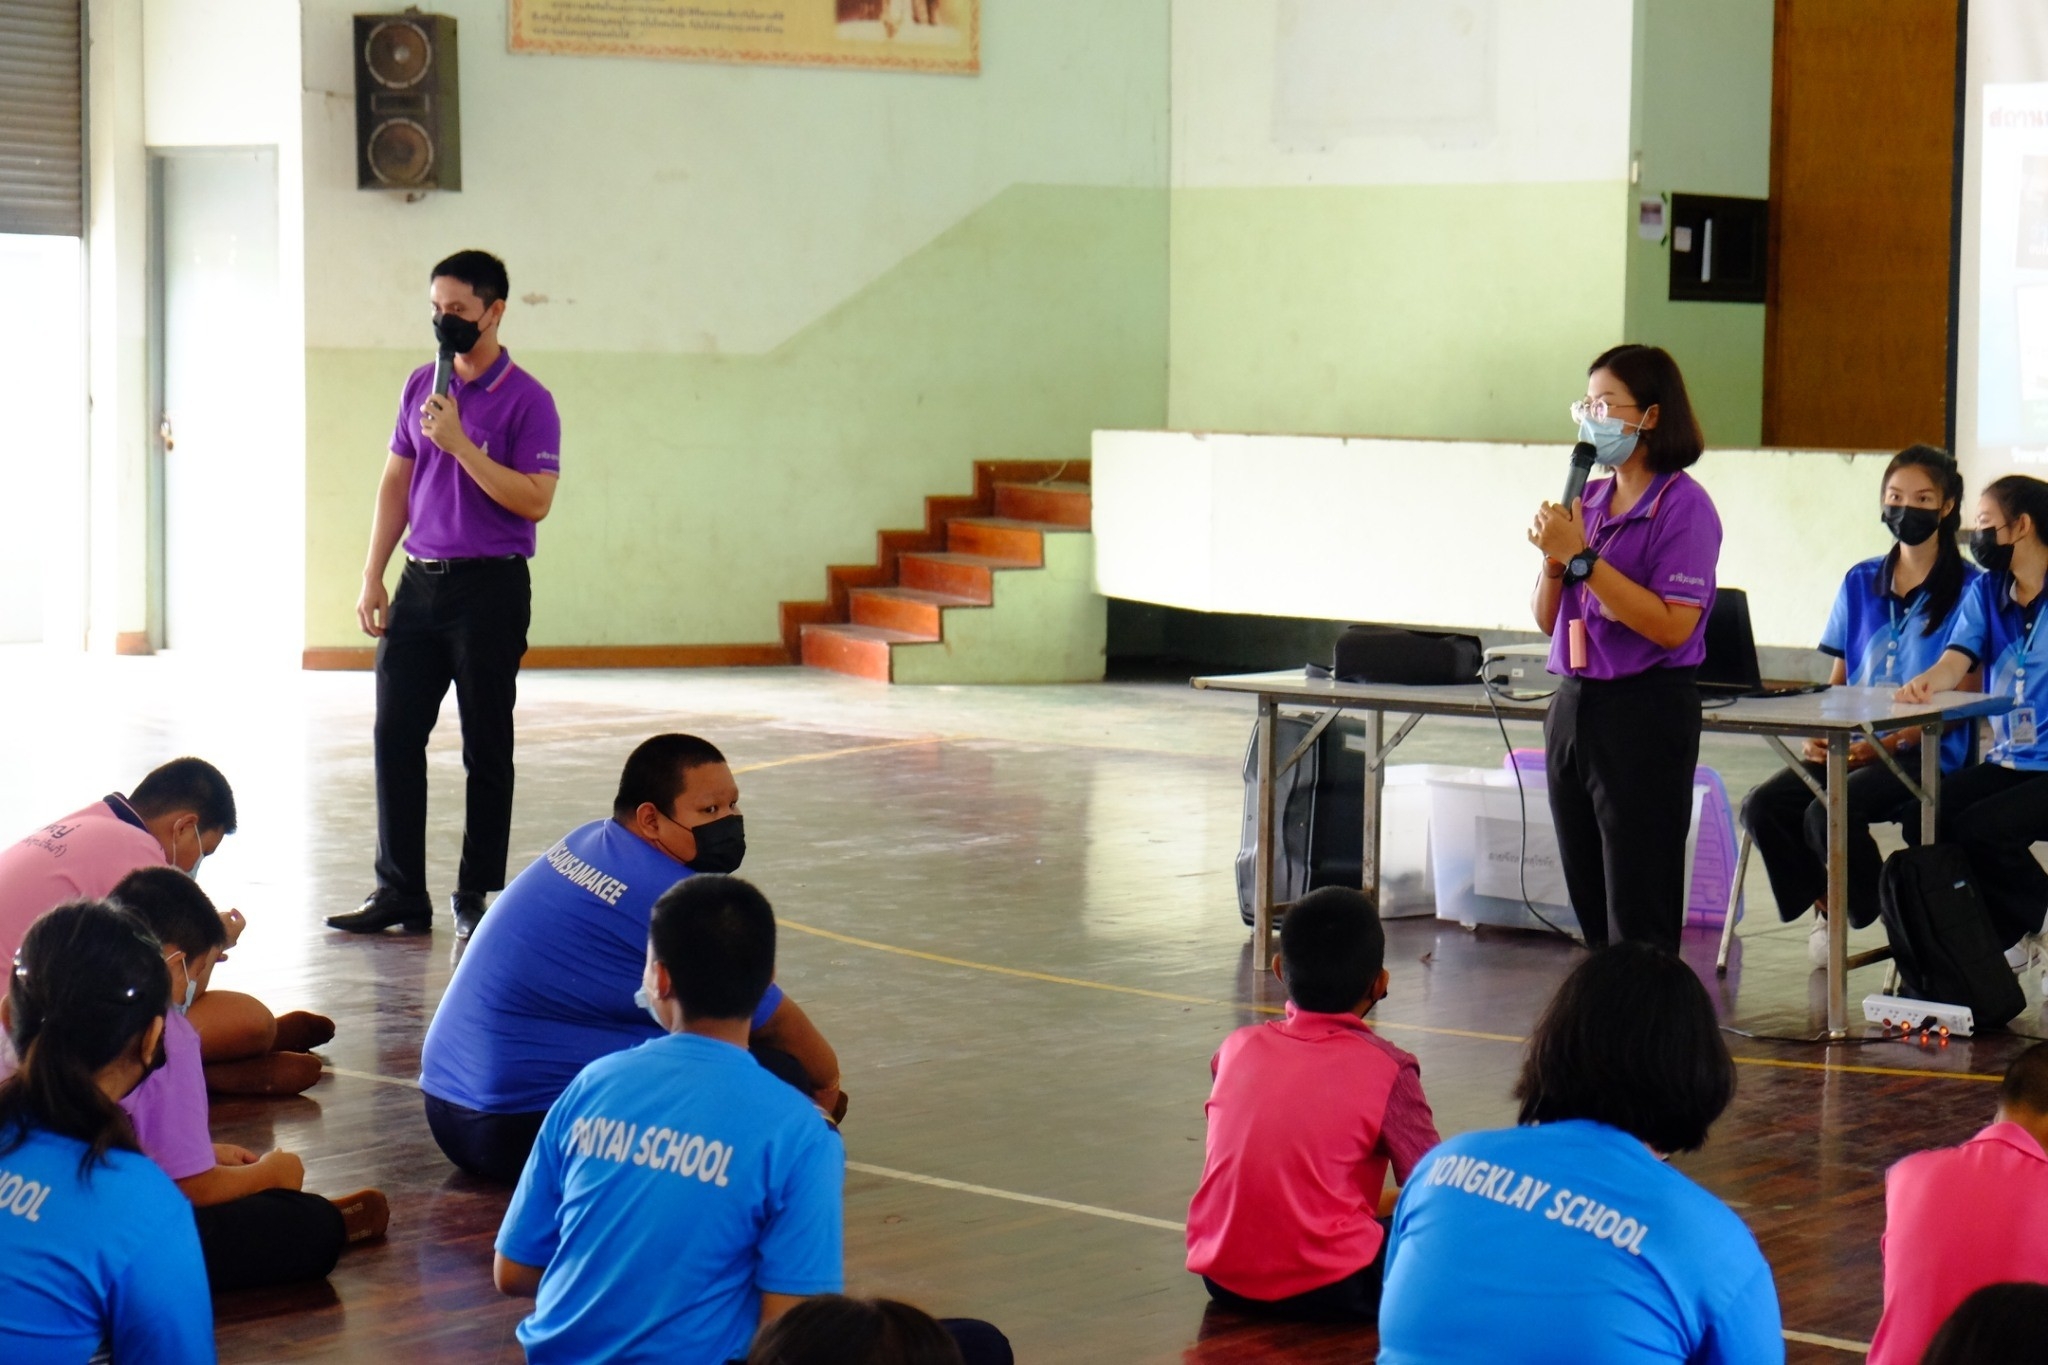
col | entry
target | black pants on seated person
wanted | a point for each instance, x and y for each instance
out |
(275, 1237)
(1355, 1298)
(495, 1146)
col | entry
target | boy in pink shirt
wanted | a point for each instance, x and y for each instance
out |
(177, 817)
(1307, 1117)
(1934, 1259)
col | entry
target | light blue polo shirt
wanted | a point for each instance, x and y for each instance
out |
(2000, 637)
(1570, 1244)
(110, 1259)
(1883, 640)
(671, 1187)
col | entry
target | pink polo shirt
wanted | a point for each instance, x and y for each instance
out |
(1957, 1219)
(84, 855)
(1305, 1118)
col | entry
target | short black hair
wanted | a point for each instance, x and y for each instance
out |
(175, 909)
(1652, 379)
(190, 784)
(1996, 1325)
(658, 771)
(716, 936)
(480, 270)
(831, 1329)
(1332, 947)
(2026, 1081)
(1630, 1040)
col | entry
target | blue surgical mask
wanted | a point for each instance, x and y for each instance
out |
(1611, 439)
(646, 1002)
(191, 986)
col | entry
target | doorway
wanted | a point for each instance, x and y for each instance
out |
(218, 472)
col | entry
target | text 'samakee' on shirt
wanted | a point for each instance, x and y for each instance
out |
(512, 419)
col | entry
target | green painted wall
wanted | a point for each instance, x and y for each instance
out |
(699, 491)
(1701, 124)
(1462, 311)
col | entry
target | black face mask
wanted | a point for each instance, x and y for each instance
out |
(721, 845)
(457, 336)
(1911, 525)
(1985, 549)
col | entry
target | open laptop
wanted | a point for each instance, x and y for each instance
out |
(1730, 669)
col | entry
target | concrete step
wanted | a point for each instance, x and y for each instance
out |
(1062, 504)
(906, 609)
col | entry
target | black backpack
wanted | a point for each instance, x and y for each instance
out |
(1941, 935)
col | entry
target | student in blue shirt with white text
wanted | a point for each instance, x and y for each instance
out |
(1890, 622)
(1997, 810)
(679, 1195)
(98, 1253)
(1570, 1240)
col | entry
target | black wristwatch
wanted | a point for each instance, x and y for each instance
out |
(1580, 567)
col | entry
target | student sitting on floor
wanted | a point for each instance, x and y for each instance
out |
(256, 1226)
(832, 1329)
(1889, 623)
(547, 983)
(176, 817)
(679, 1195)
(1307, 1116)
(98, 1245)
(2000, 1324)
(1933, 1259)
(1570, 1239)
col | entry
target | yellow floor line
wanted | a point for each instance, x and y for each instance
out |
(830, 754)
(1861, 1348)
(1172, 998)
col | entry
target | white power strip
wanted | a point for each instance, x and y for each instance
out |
(1913, 1016)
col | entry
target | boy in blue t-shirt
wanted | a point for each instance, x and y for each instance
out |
(679, 1195)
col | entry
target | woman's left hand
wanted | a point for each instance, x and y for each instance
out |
(1558, 531)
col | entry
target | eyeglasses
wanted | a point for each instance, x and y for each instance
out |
(1597, 409)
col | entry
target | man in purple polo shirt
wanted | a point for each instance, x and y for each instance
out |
(469, 474)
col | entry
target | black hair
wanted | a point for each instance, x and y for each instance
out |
(480, 270)
(88, 980)
(2026, 1081)
(173, 907)
(1651, 376)
(658, 771)
(184, 784)
(716, 936)
(1630, 1040)
(831, 1329)
(1997, 1325)
(2019, 495)
(1332, 947)
(1945, 583)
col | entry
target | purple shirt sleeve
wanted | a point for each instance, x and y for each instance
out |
(1684, 548)
(536, 437)
(408, 424)
(169, 1108)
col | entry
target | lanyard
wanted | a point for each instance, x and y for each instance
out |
(2026, 646)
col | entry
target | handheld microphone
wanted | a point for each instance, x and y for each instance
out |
(444, 374)
(1575, 477)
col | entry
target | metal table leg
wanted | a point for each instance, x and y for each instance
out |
(1838, 884)
(1262, 852)
(1375, 787)
(1734, 903)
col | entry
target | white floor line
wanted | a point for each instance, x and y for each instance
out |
(1068, 1206)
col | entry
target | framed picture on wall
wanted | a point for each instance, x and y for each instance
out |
(938, 36)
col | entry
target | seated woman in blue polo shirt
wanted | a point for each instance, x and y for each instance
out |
(99, 1246)
(1998, 809)
(1890, 622)
(1569, 1240)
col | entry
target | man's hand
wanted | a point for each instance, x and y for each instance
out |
(441, 423)
(227, 1154)
(373, 608)
(234, 924)
(287, 1172)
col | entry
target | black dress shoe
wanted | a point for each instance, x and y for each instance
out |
(385, 908)
(469, 908)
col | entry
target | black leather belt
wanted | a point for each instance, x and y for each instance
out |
(446, 565)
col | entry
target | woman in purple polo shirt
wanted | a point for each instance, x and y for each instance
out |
(1628, 575)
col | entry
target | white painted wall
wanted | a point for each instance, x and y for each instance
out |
(1399, 92)
(1432, 532)
(758, 197)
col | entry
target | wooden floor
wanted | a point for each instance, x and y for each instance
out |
(1012, 911)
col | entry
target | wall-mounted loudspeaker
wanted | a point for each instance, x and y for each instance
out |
(408, 117)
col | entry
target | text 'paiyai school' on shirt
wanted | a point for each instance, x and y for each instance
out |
(661, 1149)
(1487, 1180)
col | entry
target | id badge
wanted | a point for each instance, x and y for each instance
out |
(2024, 735)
